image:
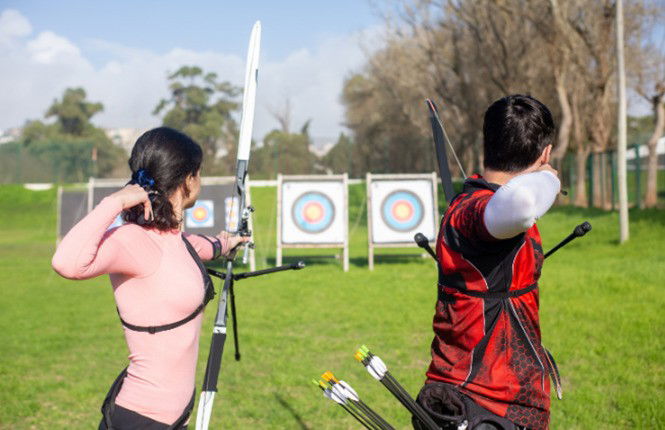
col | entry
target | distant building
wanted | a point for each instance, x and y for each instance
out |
(124, 137)
(644, 153)
(321, 145)
(10, 135)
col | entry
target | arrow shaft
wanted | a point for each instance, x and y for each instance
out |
(372, 414)
(362, 420)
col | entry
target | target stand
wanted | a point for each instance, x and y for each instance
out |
(312, 212)
(398, 207)
(72, 207)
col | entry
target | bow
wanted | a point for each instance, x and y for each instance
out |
(440, 141)
(240, 213)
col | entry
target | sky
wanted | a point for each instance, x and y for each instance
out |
(121, 51)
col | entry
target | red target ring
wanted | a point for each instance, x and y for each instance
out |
(313, 212)
(402, 210)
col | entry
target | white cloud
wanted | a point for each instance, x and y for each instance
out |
(13, 24)
(48, 48)
(37, 68)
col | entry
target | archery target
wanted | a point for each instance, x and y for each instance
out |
(231, 212)
(400, 209)
(313, 212)
(201, 215)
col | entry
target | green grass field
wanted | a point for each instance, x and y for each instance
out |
(602, 310)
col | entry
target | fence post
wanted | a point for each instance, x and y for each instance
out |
(571, 171)
(638, 173)
(613, 165)
(589, 172)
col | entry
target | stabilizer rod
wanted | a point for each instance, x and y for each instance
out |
(579, 231)
(236, 276)
(423, 242)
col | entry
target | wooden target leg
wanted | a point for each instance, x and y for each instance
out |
(279, 256)
(346, 258)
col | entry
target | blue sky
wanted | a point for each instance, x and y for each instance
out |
(199, 25)
(121, 51)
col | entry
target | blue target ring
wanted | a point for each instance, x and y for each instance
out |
(402, 210)
(313, 212)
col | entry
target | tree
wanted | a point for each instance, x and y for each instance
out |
(73, 112)
(202, 107)
(284, 152)
(73, 146)
(648, 70)
(469, 53)
(342, 158)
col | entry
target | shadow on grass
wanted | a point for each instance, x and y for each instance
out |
(296, 416)
(380, 259)
(310, 260)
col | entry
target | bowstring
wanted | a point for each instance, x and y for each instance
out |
(450, 145)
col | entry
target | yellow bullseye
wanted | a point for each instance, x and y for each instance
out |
(402, 211)
(200, 214)
(313, 212)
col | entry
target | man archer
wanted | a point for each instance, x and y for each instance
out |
(488, 365)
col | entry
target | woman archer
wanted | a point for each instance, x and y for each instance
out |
(159, 282)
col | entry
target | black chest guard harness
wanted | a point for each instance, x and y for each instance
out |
(208, 295)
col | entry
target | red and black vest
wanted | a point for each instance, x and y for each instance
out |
(486, 326)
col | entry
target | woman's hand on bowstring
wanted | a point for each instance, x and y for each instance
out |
(133, 195)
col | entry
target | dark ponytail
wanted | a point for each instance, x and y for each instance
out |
(161, 161)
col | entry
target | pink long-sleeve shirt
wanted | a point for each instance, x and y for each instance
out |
(155, 282)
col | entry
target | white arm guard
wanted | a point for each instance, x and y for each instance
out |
(516, 206)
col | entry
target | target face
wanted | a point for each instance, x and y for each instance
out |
(231, 211)
(400, 207)
(402, 210)
(201, 215)
(313, 212)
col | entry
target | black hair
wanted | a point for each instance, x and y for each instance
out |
(161, 161)
(516, 129)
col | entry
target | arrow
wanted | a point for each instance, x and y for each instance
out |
(344, 390)
(343, 394)
(328, 393)
(379, 371)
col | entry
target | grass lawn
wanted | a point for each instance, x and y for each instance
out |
(602, 316)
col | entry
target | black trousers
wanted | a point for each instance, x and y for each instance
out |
(125, 419)
(116, 417)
